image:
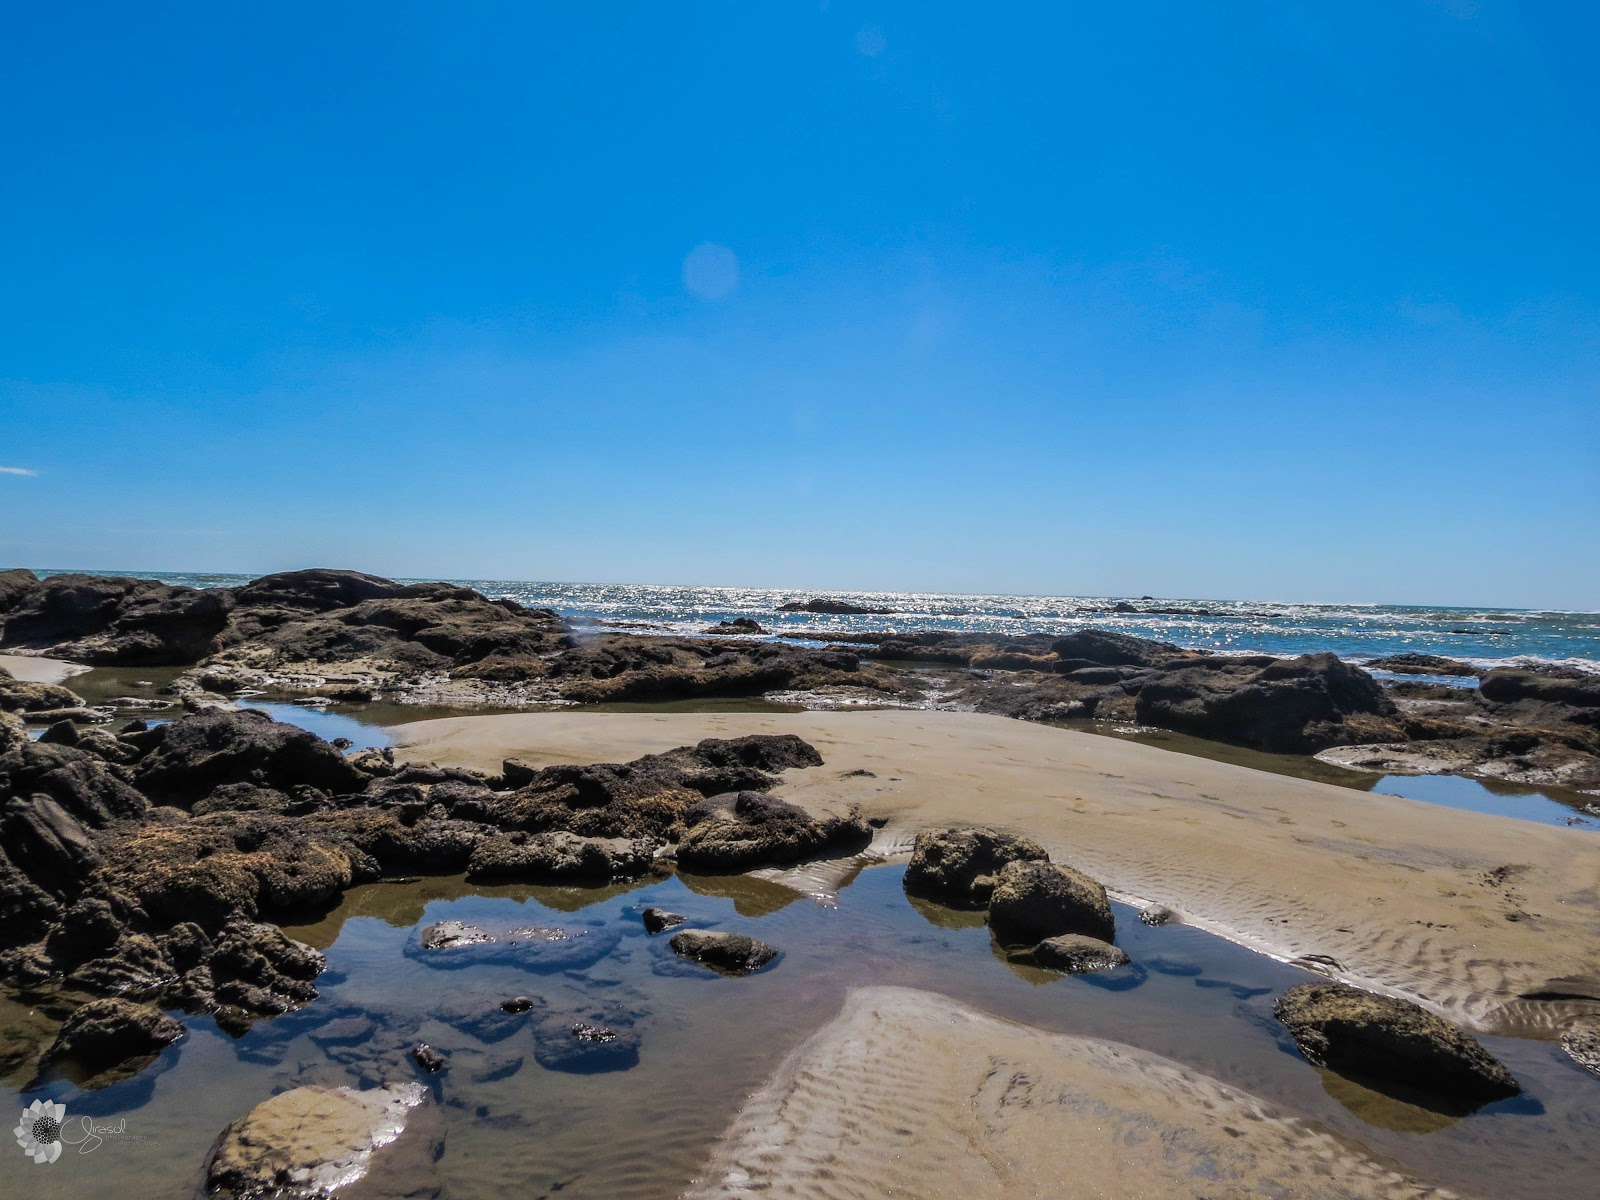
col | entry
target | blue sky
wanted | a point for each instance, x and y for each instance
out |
(1266, 300)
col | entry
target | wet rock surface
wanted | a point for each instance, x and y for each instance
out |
(725, 953)
(1033, 901)
(1380, 1037)
(658, 920)
(310, 1142)
(1078, 955)
(104, 1034)
(958, 867)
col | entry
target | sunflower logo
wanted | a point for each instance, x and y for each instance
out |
(39, 1131)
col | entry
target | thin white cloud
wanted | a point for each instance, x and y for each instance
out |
(16, 471)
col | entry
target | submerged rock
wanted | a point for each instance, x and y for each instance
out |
(658, 919)
(1348, 1030)
(429, 1059)
(584, 1047)
(1077, 954)
(105, 1034)
(725, 953)
(958, 866)
(311, 1142)
(1033, 901)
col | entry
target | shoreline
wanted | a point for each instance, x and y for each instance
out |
(1461, 912)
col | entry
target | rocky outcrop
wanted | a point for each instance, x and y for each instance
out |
(839, 608)
(1381, 1037)
(725, 953)
(1571, 688)
(100, 619)
(1422, 664)
(1033, 901)
(559, 858)
(1077, 954)
(188, 759)
(958, 867)
(105, 1034)
(309, 1142)
(738, 627)
(19, 696)
(734, 833)
(1297, 705)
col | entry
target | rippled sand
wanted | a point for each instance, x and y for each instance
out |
(1464, 912)
(911, 1094)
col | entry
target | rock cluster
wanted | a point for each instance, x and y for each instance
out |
(151, 866)
(1058, 915)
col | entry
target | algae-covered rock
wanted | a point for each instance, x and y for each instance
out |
(1033, 901)
(1346, 1029)
(958, 866)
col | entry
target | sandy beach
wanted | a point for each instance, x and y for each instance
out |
(907, 1093)
(1462, 912)
(31, 669)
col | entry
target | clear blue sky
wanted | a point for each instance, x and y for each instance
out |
(1267, 300)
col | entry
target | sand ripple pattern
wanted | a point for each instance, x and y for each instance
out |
(911, 1094)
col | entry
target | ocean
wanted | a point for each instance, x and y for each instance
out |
(1483, 636)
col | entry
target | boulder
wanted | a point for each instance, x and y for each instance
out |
(1294, 706)
(1034, 900)
(559, 858)
(725, 953)
(1348, 1030)
(752, 829)
(311, 1142)
(1078, 955)
(106, 1033)
(958, 866)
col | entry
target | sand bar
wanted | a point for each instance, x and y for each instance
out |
(1461, 911)
(911, 1094)
(32, 669)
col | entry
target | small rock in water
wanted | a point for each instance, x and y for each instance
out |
(1037, 900)
(657, 919)
(429, 1059)
(959, 866)
(1078, 955)
(447, 935)
(517, 1004)
(725, 953)
(1157, 914)
(585, 1047)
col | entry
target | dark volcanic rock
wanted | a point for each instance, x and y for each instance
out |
(841, 608)
(100, 619)
(1033, 901)
(1346, 1029)
(1422, 664)
(1576, 688)
(1296, 705)
(21, 697)
(656, 920)
(958, 866)
(738, 626)
(752, 829)
(559, 858)
(189, 757)
(106, 1033)
(429, 1059)
(725, 953)
(1102, 648)
(1077, 954)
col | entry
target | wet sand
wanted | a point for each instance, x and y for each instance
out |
(908, 1093)
(30, 669)
(1463, 912)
